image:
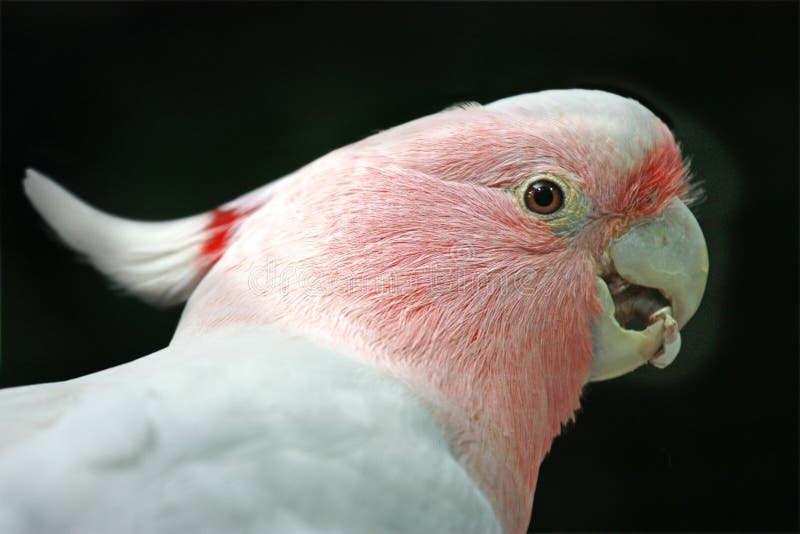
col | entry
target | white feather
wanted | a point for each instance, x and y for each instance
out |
(160, 262)
(616, 121)
(239, 432)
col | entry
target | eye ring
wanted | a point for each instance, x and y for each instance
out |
(544, 197)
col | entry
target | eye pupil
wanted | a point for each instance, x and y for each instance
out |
(544, 196)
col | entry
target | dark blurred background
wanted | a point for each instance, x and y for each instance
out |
(156, 111)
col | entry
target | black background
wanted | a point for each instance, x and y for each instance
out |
(156, 111)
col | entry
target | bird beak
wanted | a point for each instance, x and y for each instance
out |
(654, 274)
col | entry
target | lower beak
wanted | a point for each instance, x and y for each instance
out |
(656, 273)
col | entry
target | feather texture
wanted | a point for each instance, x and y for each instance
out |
(277, 435)
(159, 262)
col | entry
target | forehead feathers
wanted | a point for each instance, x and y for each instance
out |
(613, 148)
(619, 128)
(626, 157)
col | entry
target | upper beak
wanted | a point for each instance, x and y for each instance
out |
(656, 272)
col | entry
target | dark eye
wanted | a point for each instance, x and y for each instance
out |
(544, 197)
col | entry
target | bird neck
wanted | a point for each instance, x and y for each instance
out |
(502, 365)
(500, 419)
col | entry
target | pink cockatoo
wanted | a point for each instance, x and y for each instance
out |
(388, 339)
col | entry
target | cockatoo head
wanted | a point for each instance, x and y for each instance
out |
(490, 256)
